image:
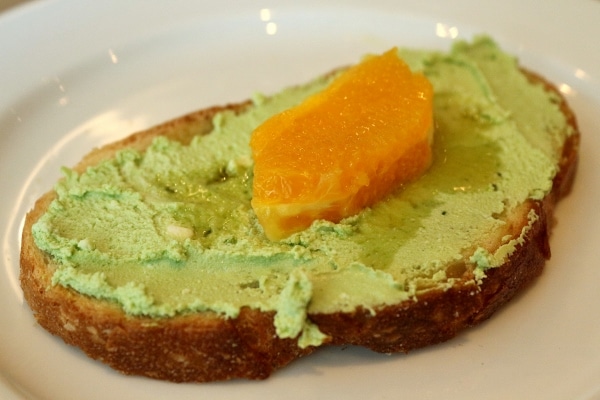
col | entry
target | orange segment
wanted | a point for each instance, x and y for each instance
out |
(344, 148)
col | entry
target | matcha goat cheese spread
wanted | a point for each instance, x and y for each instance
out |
(171, 230)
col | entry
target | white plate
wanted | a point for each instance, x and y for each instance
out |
(75, 74)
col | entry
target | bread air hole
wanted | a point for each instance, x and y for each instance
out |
(456, 270)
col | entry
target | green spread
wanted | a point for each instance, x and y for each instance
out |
(171, 230)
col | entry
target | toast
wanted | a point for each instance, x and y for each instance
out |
(210, 346)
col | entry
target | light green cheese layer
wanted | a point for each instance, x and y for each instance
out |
(171, 230)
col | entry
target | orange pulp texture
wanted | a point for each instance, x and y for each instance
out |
(344, 148)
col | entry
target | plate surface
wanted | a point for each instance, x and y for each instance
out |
(77, 74)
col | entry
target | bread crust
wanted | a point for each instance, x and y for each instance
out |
(207, 347)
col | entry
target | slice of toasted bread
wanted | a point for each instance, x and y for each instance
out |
(206, 346)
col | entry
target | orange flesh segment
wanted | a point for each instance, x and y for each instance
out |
(344, 148)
